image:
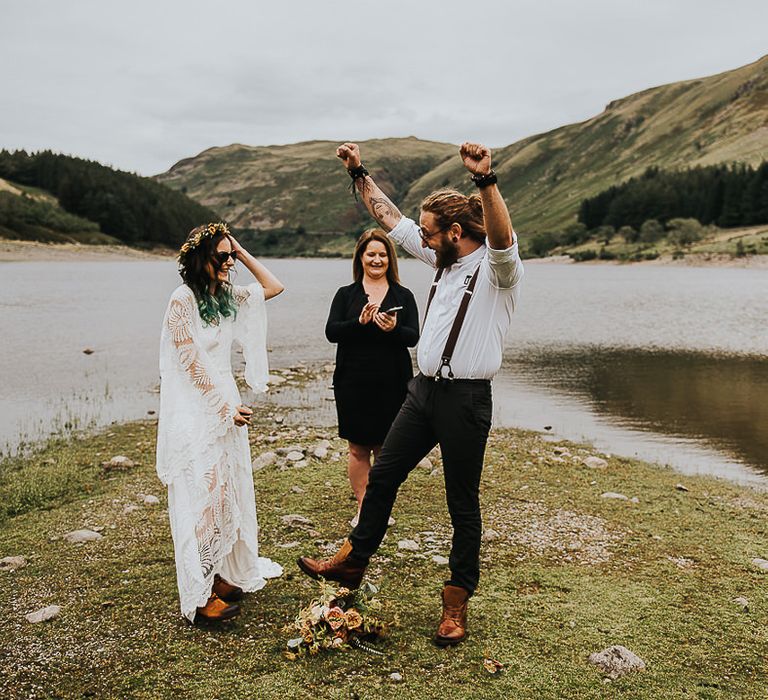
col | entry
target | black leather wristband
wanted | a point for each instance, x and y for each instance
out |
(485, 180)
(357, 172)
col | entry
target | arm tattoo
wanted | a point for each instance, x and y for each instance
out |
(378, 204)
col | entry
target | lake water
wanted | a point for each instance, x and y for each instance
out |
(669, 364)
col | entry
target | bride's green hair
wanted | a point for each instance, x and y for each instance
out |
(198, 250)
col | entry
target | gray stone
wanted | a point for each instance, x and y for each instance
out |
(291, 448)
(680, 487)
(760, 563)
(617, 661)
(289, 545)
(118, 463)
(151, 500)
(743, 603)
(301, 463)
(276, 380)
(295, 456)
(130, 508)
(12, 563)
(490, 535)
(440, 560)
(78, 536)
(425, 463)
(265, 459)
(396, 677)
(408, 545)
(295, 520)
(594, 462)
(614, 495)
(320, 452)
(635, 499)
(297, 489)
(47, 613)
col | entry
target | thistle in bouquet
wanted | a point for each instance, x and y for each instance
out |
(337, 619)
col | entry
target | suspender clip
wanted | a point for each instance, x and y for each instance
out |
(444, 362)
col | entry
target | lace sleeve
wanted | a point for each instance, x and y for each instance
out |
(251, 333)
(192, 359)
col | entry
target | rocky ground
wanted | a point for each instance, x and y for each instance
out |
(602, 577)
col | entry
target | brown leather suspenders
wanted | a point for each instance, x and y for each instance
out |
(458, 322)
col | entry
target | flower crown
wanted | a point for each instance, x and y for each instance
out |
(205, 232)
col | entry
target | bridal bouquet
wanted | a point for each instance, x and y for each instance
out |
(338, 618)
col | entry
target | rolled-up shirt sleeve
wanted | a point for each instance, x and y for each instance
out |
(505, 268)
(406, 235)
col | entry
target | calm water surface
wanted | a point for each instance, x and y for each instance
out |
(667, 364)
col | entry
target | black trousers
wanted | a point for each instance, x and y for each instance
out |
(457, 416)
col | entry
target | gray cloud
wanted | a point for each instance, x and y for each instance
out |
(144, 84)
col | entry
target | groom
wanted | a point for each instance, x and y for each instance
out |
(470, 242)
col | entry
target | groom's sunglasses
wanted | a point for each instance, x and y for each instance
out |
(222, 256)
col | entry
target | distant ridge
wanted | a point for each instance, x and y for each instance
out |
(718, 119)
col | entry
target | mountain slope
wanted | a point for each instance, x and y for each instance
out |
(299, 185)
(722, 118)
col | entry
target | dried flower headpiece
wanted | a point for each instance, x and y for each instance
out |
(204, 232)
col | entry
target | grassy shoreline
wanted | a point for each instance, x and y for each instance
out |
(30, 251)
(567, 573)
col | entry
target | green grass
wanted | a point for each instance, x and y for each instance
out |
(570, 573)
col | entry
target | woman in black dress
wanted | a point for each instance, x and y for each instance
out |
(374, 321)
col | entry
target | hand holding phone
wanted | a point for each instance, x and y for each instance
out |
(393, 310)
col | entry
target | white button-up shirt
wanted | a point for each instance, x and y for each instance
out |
(481, 340)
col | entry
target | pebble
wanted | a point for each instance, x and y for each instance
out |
(490, 536)
(440, 560)
(396, 677)
(265, 459)
(320, 452)
(301, 463)
(297, 489)
(12, 563)
(425, 463)
(617, 661)
(151, 500)
(78, 536)
(47, 613)
(408, 545)
(743, 603)
(118, 462)
(680, 487)
(295, 520)
(594, 462)
(614, 495)
(760, 563)
(295, 456)
(130, 508)
(289, 545)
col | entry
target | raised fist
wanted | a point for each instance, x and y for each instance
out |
(349, 154)
(476, 158)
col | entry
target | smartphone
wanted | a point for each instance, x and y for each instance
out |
(393, 310)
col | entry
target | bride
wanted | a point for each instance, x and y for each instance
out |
(203, 454)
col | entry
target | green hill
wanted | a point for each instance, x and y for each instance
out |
(300, 185)
(719, 119)
(56, 198)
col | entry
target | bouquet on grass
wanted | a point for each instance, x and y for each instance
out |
(337, 619)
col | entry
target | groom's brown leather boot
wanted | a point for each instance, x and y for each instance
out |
(453, 624)
(226, 591)
(216, 610)
(341, 567)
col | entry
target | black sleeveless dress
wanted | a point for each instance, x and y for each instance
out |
(373, 367)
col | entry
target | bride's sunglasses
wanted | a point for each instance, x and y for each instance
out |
(221, 256)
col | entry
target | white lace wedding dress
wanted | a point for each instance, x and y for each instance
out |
(202, 456)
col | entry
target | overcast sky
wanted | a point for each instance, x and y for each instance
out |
(142, 84)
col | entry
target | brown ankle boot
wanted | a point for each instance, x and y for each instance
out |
(216, 610)
(453, 624)
(341, 567)
(226, 591)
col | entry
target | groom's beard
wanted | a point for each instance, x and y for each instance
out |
(446, 254)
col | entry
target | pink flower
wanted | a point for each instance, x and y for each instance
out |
(335, 618)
